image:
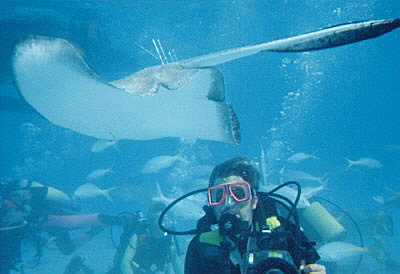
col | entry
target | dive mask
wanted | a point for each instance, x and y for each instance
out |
(238, 191)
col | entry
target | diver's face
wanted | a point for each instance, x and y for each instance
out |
(238, 199)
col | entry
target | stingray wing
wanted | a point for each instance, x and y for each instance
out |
(55, 80)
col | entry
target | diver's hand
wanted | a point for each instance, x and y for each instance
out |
(314, 269)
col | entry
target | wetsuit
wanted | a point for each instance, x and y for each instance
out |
(209, 253)
(10, 253)
(139, 252)
(12, 229)
(26, 208)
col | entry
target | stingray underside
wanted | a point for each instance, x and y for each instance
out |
(160, 101)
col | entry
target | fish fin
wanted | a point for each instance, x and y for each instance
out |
(350, 163)
(106, 193)
(379, 199)
(180, 157)
(115, 144)
(217, 87)
(314, 155)
(183, 160)
(324, 180)
(161, 197)
(392, 190)
(108, 197)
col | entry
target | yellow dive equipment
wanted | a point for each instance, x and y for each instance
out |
(51, 195)
(319, 224)
(59, 198)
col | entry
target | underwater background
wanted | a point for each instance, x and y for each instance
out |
(334, 104)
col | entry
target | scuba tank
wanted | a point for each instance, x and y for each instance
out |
(320, 225)
(41, 193)
(60, 199)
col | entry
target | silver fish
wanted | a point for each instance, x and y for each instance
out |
(308, 191)
(158, 163)
(338, 251)
(190, 208)
(89, 191)
(98, 173)
(101, 145)
(364, 162)
(392, 147)
(301, 176)
(299, 157)
(394, 200)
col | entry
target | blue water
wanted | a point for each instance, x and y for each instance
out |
(335, 104)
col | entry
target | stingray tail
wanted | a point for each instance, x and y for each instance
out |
(234, 125)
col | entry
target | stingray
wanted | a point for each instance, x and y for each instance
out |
(180, 99)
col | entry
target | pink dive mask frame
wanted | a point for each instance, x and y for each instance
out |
(230, 189)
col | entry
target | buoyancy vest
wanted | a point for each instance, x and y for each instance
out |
(267, 216)
(142, 251)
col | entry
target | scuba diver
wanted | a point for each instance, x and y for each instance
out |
(252, 236)
(28, 208)
(144, 247)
